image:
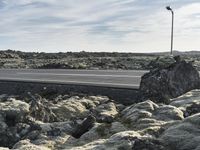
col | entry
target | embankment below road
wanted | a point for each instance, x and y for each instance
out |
(122, 95)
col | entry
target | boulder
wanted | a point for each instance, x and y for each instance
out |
(189, 103)
(14, 111)
(95, 133)
(186, 99)
(183, 136)
(167, 113)
(117, 127)
(64, 126)
(12, 114)
(40, 109)
(161, 84)
(102, 130)
(85, 126)
(52, 135)
(70, 108)
(27, 145)
(79, 108)
(105, 112)
(126, 140)
(194, 108)
(148, 117)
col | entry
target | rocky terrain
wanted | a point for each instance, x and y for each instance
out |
(162, 120)
(97, 122)
(87, 60)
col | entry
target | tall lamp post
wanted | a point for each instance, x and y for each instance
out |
(172, 30)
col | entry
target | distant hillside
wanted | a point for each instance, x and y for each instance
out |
(87, 60)
(187, 53)
(60, 55)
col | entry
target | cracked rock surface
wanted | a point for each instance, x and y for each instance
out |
(97, 122)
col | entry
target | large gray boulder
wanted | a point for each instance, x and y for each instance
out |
(126, 140)
(189, 103)
(161, 84)
(150, 118)
(183, 136)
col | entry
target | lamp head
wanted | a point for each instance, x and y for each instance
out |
(169, 8)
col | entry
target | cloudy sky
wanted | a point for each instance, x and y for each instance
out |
(98, 25)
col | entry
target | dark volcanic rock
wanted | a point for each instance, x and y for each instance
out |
(161, 62)
(161, 84)
(148, 144)
(55, 66)
(39, 109)
(84, 127)
(192, 109)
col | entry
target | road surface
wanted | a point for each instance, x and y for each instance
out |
(106, 78)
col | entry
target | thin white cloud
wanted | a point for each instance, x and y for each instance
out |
(106, 25)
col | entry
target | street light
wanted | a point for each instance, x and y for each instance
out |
(172, 30)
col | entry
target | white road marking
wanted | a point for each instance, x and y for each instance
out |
(76, 70)
(75, 82)
(88, 75)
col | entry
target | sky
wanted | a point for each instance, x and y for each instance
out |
(98, 25)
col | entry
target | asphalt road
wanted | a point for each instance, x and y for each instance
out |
(106, 78)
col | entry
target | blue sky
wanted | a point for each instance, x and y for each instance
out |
(98, 25)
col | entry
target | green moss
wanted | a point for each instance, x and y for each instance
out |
(127, 122)
(102, 130)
